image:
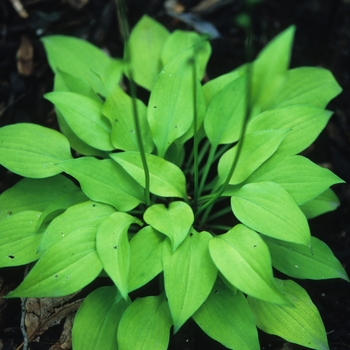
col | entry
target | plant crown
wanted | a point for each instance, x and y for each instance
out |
(203, 186)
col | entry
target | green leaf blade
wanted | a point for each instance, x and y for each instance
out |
(189, 275)
(105, 307)
(145, 324)
(267, 208)
(300, 323)
(244, 260)
(166, 220)
(227, 318)
(61, 270)
(166, 179)
(32, 150)
(105, 181)
(114, 249)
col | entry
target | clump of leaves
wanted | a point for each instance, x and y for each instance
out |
(162, 186)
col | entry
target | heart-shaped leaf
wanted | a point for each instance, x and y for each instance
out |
(174, 221)
(244, 260)
(113, 248)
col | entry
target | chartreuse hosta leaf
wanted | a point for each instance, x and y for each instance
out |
(34, 194)
(114, 249)
(229, 103)
(267, 208)
(105, 306)
(148, 37)
(304, 122)
(189, 275)
(62, 268)
(325, 202)
(118, 108)
(146, 249)
(145, 324)
(171, 105)
(302, 84)
(84, 117)
(179, 41)
(166, 179)
(105, 181)
(257, 148)
(19, 239)
(87, 214)
(174, 221)
(301, 178)
(300, 323)
(32, 150)
(60, 204)
(226, 317)
(82, 59)
(270, 68)
(299, 261)
(244, 260)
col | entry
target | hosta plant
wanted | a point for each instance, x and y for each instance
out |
(200, 186)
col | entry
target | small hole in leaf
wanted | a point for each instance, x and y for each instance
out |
(254, 245)
(94, 205)
(115, 247)
(11, 256)
(155, 107)
(56, 276)
(191, 234)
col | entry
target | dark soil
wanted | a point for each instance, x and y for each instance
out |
(322, 39)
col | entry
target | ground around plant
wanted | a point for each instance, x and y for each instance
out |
(322, 40)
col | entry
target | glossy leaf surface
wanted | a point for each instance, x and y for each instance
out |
(244, 260)
(267, 208)
(174, 221)
(114, 249)
(146, 249)
(166, 179)
(105, 181)
(145, 324)
(61, 270)
(300, 323)
(227, 318)
(298, 261)
(105, 307)
(189, 275)
(32, 150)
